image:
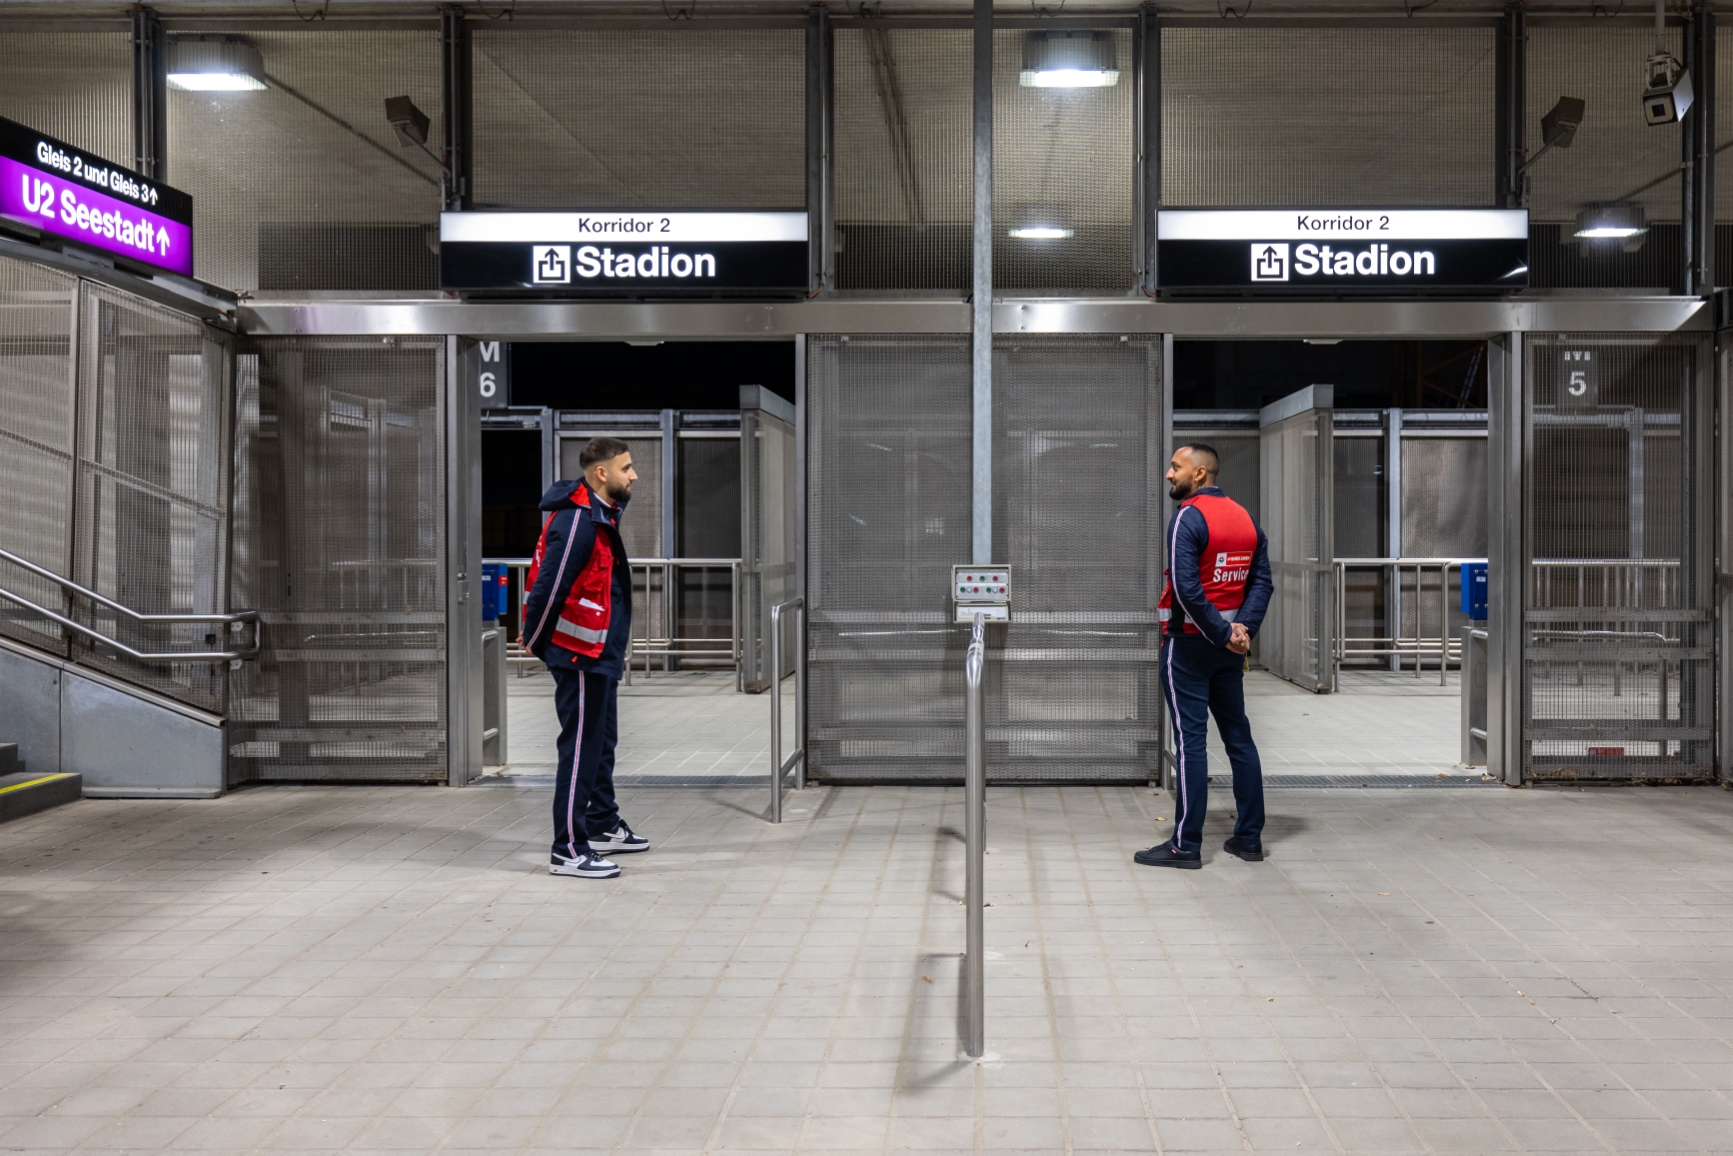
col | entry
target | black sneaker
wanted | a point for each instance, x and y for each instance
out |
(1165, 855)
(621, 838)
(586, 866)
(1250, 852)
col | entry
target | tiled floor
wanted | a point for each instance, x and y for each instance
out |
(681, 724)
(695, 725)
(352, 969)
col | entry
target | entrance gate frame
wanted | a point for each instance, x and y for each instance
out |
(1503, 323)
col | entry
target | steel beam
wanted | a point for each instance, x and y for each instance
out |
(1505, 568)
(456, 89)
(149, 95)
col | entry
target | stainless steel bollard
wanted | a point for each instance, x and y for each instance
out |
(975, 803)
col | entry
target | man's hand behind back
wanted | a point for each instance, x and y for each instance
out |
(1240, 641)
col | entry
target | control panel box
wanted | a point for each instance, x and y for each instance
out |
(984, 590)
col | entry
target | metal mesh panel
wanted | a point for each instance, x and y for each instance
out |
(1617, 651)
(1359, 497)
(632, 118)
(73, 85)
(887, 517)
(904, 198)
(1614, 151)
(152, 510)
(1295, 638)
(1063, 158)
(1074, 694)
(1444, 497)
(36, 440)
(302, 185)
(767, 566)
(1328, 116)
(346, 530)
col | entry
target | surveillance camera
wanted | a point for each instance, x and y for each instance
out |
(1667, 98)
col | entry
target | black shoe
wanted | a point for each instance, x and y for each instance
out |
(1164, 855)
(1250, 852)
(586, 866)
(621, 838)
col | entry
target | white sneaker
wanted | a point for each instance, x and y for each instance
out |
(621, 838)
(585, 866)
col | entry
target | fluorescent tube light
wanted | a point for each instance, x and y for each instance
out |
(214, 82)
(1041, 233)
(215, 64)
(1068, 78)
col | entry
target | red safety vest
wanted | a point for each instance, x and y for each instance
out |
(582, 625)
(1225, 564)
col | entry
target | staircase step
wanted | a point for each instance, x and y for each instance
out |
(22, 793)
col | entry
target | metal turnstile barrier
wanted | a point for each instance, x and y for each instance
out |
(1474, 683)
(780, 767)
(1399, 644)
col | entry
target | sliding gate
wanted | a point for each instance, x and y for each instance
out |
(1077, 503)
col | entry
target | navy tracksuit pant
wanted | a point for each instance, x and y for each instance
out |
(584, 805)
(1198, 679)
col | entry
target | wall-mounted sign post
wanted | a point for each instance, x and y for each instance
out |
(61, 191)
(1334, 251)
(624, 254)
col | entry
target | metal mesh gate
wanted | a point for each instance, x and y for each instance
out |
(344, 557)
(1297, 473)
(767, 544)
(888, 471)
(1077, 468)
(1618, 652)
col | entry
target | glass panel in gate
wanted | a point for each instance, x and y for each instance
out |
(344, 553)
(1618, 652)
(1077, 499)
(767, 543)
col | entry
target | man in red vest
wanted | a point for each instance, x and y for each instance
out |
(578, 620)
(1217, 591)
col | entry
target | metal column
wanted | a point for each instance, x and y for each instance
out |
(1724, 561)
(149, 94)
(465, 677)
(981, 512)
(975, 837)
(820, 165)
(1506, 568)
(1511, 84)
(1393, 537)
(456, 74)
(1697, 156)
(1149, 144)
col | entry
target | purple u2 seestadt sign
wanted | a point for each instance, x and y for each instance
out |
(58, 190)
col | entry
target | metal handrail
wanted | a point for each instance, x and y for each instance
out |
(779, 767)
(975, 834)
(251, 616)
(1418, 647)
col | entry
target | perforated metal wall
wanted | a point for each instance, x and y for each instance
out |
(37, 317)
(152, 488)
(888, 467)
(346, 548)
(1328, 116)
(1297, 474)
(622, 118)
(1077, 494)
(904, 197)
(1063, 158)
(1618, 653)
(73, 85)
(302, 185)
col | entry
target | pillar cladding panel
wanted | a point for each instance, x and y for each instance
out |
(888, 477)
(1078, 507)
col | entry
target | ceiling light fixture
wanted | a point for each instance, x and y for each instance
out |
(215, 64)
(1617, 222)
(1042, 233)
(1079, 59)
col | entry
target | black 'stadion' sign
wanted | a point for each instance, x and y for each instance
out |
(624, 254)
(1342, 250)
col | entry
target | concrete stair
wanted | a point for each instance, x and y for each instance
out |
(22, 793)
